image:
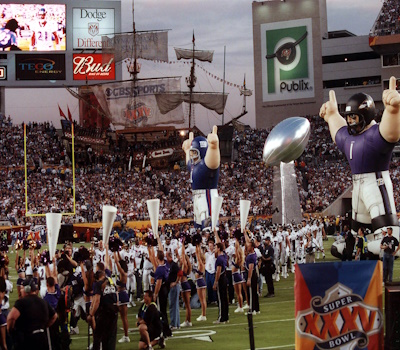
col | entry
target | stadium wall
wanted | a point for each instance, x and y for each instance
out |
(368, 72)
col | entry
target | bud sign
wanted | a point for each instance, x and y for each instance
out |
(93, 67)
(287, 60)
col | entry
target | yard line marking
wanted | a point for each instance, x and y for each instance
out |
(245, 324)
(291, 346)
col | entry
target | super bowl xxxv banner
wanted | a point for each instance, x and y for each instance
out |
(339, 306)
(287, 60)
(134, 105)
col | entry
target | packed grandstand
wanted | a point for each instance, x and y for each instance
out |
(105, 177)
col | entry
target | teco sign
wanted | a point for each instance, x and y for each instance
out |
(93, 67)
(88, 25)
(40, 67)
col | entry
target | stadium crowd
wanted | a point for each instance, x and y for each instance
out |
(104, 177)
(138, 267)
(388, 21)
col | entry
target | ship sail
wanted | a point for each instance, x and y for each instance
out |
(201, 55)
(134, 105)
(211, 100)
(149, 45)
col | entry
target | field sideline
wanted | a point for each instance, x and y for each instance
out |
(273, 327)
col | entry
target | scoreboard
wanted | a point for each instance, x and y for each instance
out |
(57, 43)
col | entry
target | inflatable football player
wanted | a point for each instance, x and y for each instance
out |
(368, 148)
(203, 159)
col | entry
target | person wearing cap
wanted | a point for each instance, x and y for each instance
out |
(29, 318)
(390, 246)
(362, 242)
(269, 268)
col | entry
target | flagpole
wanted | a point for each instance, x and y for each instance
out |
(223, 89)
(244, 95)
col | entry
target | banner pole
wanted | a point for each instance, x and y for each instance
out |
(251, 330)
(26, 173)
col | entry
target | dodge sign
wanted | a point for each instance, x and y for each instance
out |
(89, 24)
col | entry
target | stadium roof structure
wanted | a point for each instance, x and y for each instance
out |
(340, 34)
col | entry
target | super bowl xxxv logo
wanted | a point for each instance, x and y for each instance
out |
(137, 114)
(287, 60)
(339, 320)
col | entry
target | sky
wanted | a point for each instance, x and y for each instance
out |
(216, 24)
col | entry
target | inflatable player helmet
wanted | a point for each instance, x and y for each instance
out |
(363, 106)
(198, 149)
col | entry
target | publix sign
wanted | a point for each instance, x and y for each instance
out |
(287, 60)
(89, 24)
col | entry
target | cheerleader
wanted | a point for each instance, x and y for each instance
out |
(237, 275)
(88, 280)
(200, 282)
(3, 318)
(20, 267)
(186, 289)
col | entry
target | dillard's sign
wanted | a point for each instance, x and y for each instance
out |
(93, 67)
(89, 24)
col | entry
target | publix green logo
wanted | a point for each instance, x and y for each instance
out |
(287, 66)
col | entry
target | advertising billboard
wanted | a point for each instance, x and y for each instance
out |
(135, 105)
(40, 67)
(89, 24)
(287, 60)
(339, 306)
(93, 66)
(32, 27)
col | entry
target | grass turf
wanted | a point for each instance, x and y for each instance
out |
(273, 327)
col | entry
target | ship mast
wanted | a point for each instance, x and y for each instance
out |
(191, 82)
(135, 71)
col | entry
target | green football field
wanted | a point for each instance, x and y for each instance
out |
(273, 327)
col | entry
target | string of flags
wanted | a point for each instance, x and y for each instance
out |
(216, 77)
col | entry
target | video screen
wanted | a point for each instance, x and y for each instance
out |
(32, 27)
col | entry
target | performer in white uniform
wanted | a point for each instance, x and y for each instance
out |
(320, 238)
(44, 32)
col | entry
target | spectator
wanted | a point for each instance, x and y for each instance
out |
(390, 246)
(149, 323)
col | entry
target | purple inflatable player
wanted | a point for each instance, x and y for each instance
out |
(203, 159)
(368, 148)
